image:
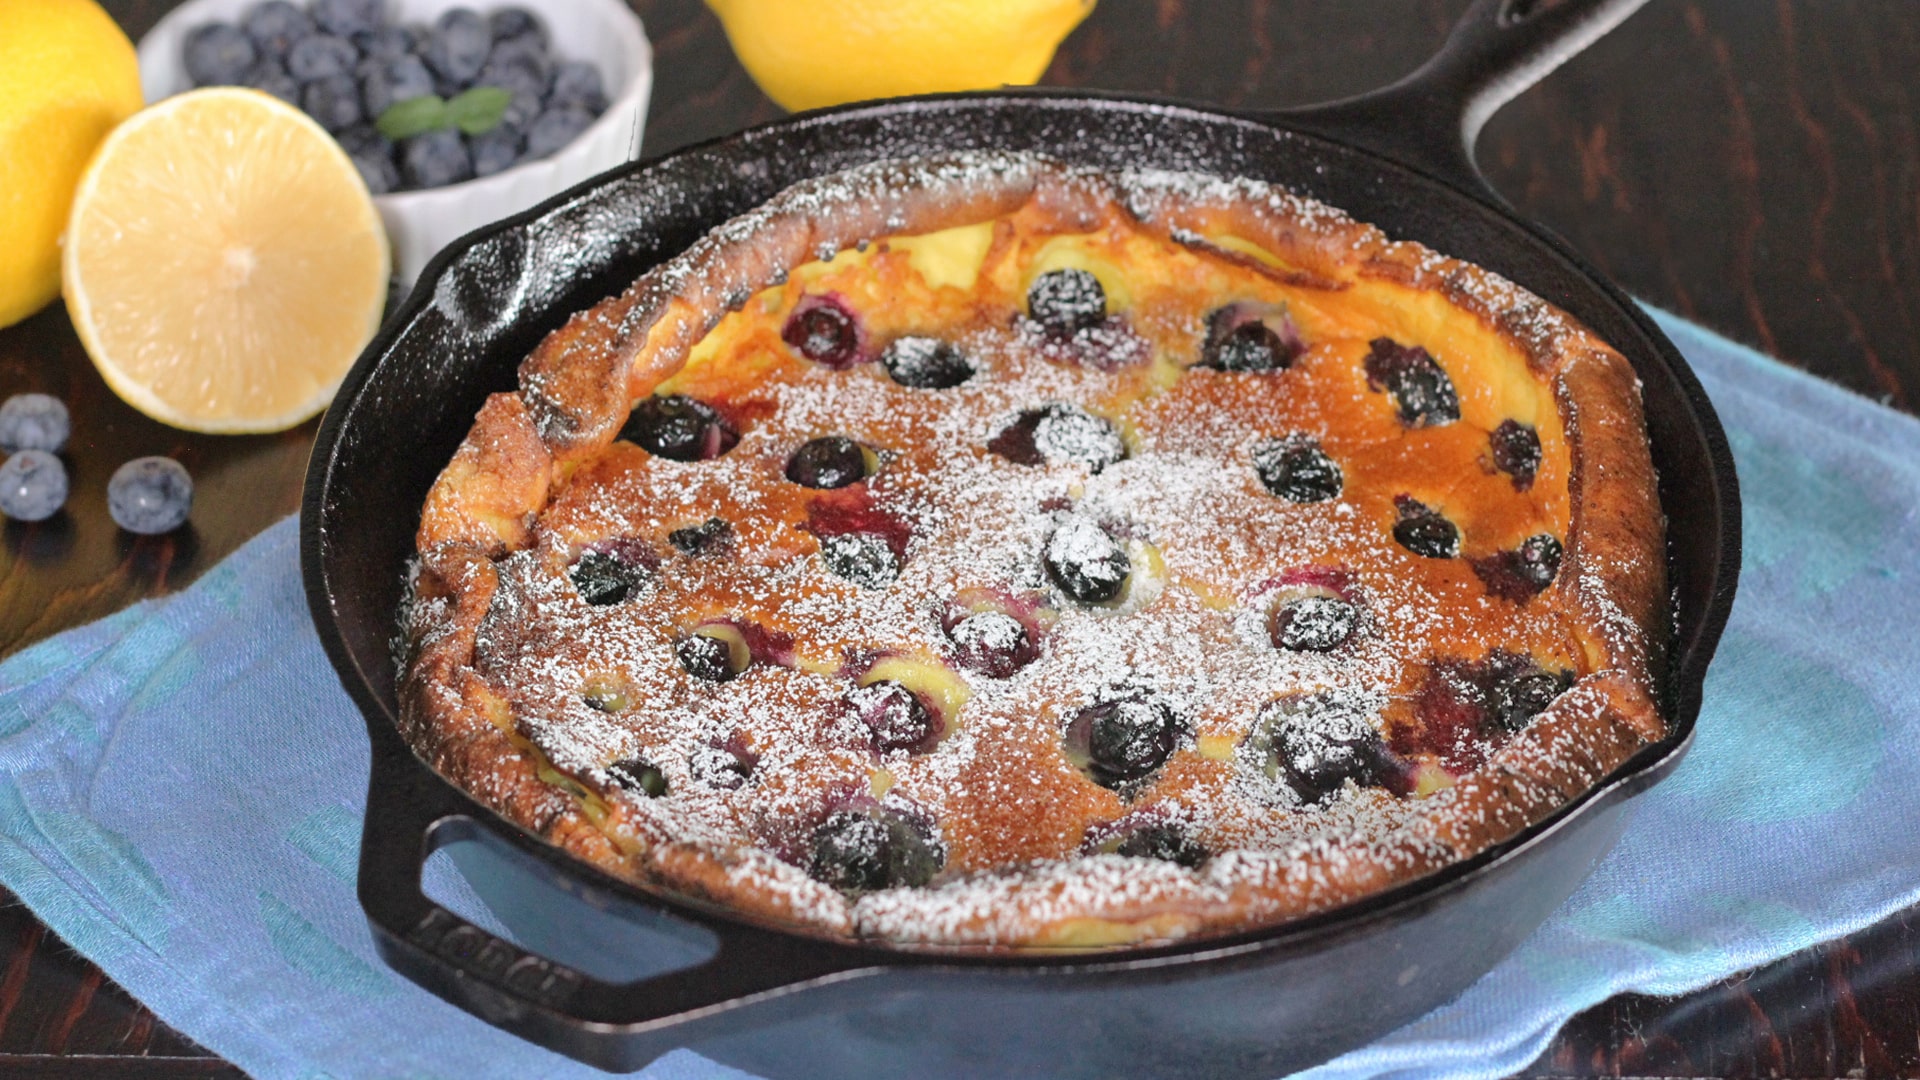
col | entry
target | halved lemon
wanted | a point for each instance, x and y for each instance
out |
(224, 264)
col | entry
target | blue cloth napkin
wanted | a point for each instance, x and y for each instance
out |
(181, 786)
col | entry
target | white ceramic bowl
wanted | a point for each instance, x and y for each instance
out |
(420, 223)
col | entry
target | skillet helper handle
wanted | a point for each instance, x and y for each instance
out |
(1432, 117)
(411, 813)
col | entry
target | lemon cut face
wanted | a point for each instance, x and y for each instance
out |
(224, 263)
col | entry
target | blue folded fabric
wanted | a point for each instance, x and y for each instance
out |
(181, 789)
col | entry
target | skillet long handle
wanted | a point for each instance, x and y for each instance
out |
(1433, 116)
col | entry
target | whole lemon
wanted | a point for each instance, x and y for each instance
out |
(67, 76)
(825, 52)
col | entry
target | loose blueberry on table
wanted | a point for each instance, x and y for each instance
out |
(34, 422)
(415, 107)
(33, 486)
(150, 495)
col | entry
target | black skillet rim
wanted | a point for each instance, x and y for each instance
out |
(1644, 768)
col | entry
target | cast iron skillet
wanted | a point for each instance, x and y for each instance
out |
(781, 1002)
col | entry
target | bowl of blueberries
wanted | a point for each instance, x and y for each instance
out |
(456, 113)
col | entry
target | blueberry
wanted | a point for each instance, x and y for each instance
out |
(459, 45)
(706, 538)
(865, 559)
(270, 77)
(322, 56)
(1523, 692)
(1087, 563)
(1163, 841)
(608, 577)
(555, 128)
(1314, 624)
(824, 331)
(679, 427)
(638, 774)
(522, 78)
(150, 495)
(511, 22)
(1250, 346)
(863, 850)
(525, 50)
(1060, 434)
(711, 656)
(992, 643)
(347, 17)
(1424, 530)
(1066, 301)
(1316, 743)
(831, 461)
(275, 27)
(895, 717)
(576, 82)
(378, 172)
(363, 139)
(384, 43)
(1123, 739)
(219, 54)
(34, 422)
(372, 154)
(1297, 470)
(1417, 383)
(33, 486)
(725, 767)
(1524, 572)
(334, 102)
(435, 159)
(1515, 449)
(494, 152)
(383, 82)
(926, 363)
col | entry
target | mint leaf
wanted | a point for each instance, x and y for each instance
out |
(478, 111)
(414, 116)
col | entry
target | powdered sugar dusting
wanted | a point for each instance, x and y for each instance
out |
(1165, 474)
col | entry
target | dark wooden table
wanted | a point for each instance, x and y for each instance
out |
(1749, 164)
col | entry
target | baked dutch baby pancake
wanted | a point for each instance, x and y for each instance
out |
(982, 551)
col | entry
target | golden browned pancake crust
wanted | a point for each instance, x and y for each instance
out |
(987, 552)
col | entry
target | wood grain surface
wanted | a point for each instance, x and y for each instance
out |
(1751, 164)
